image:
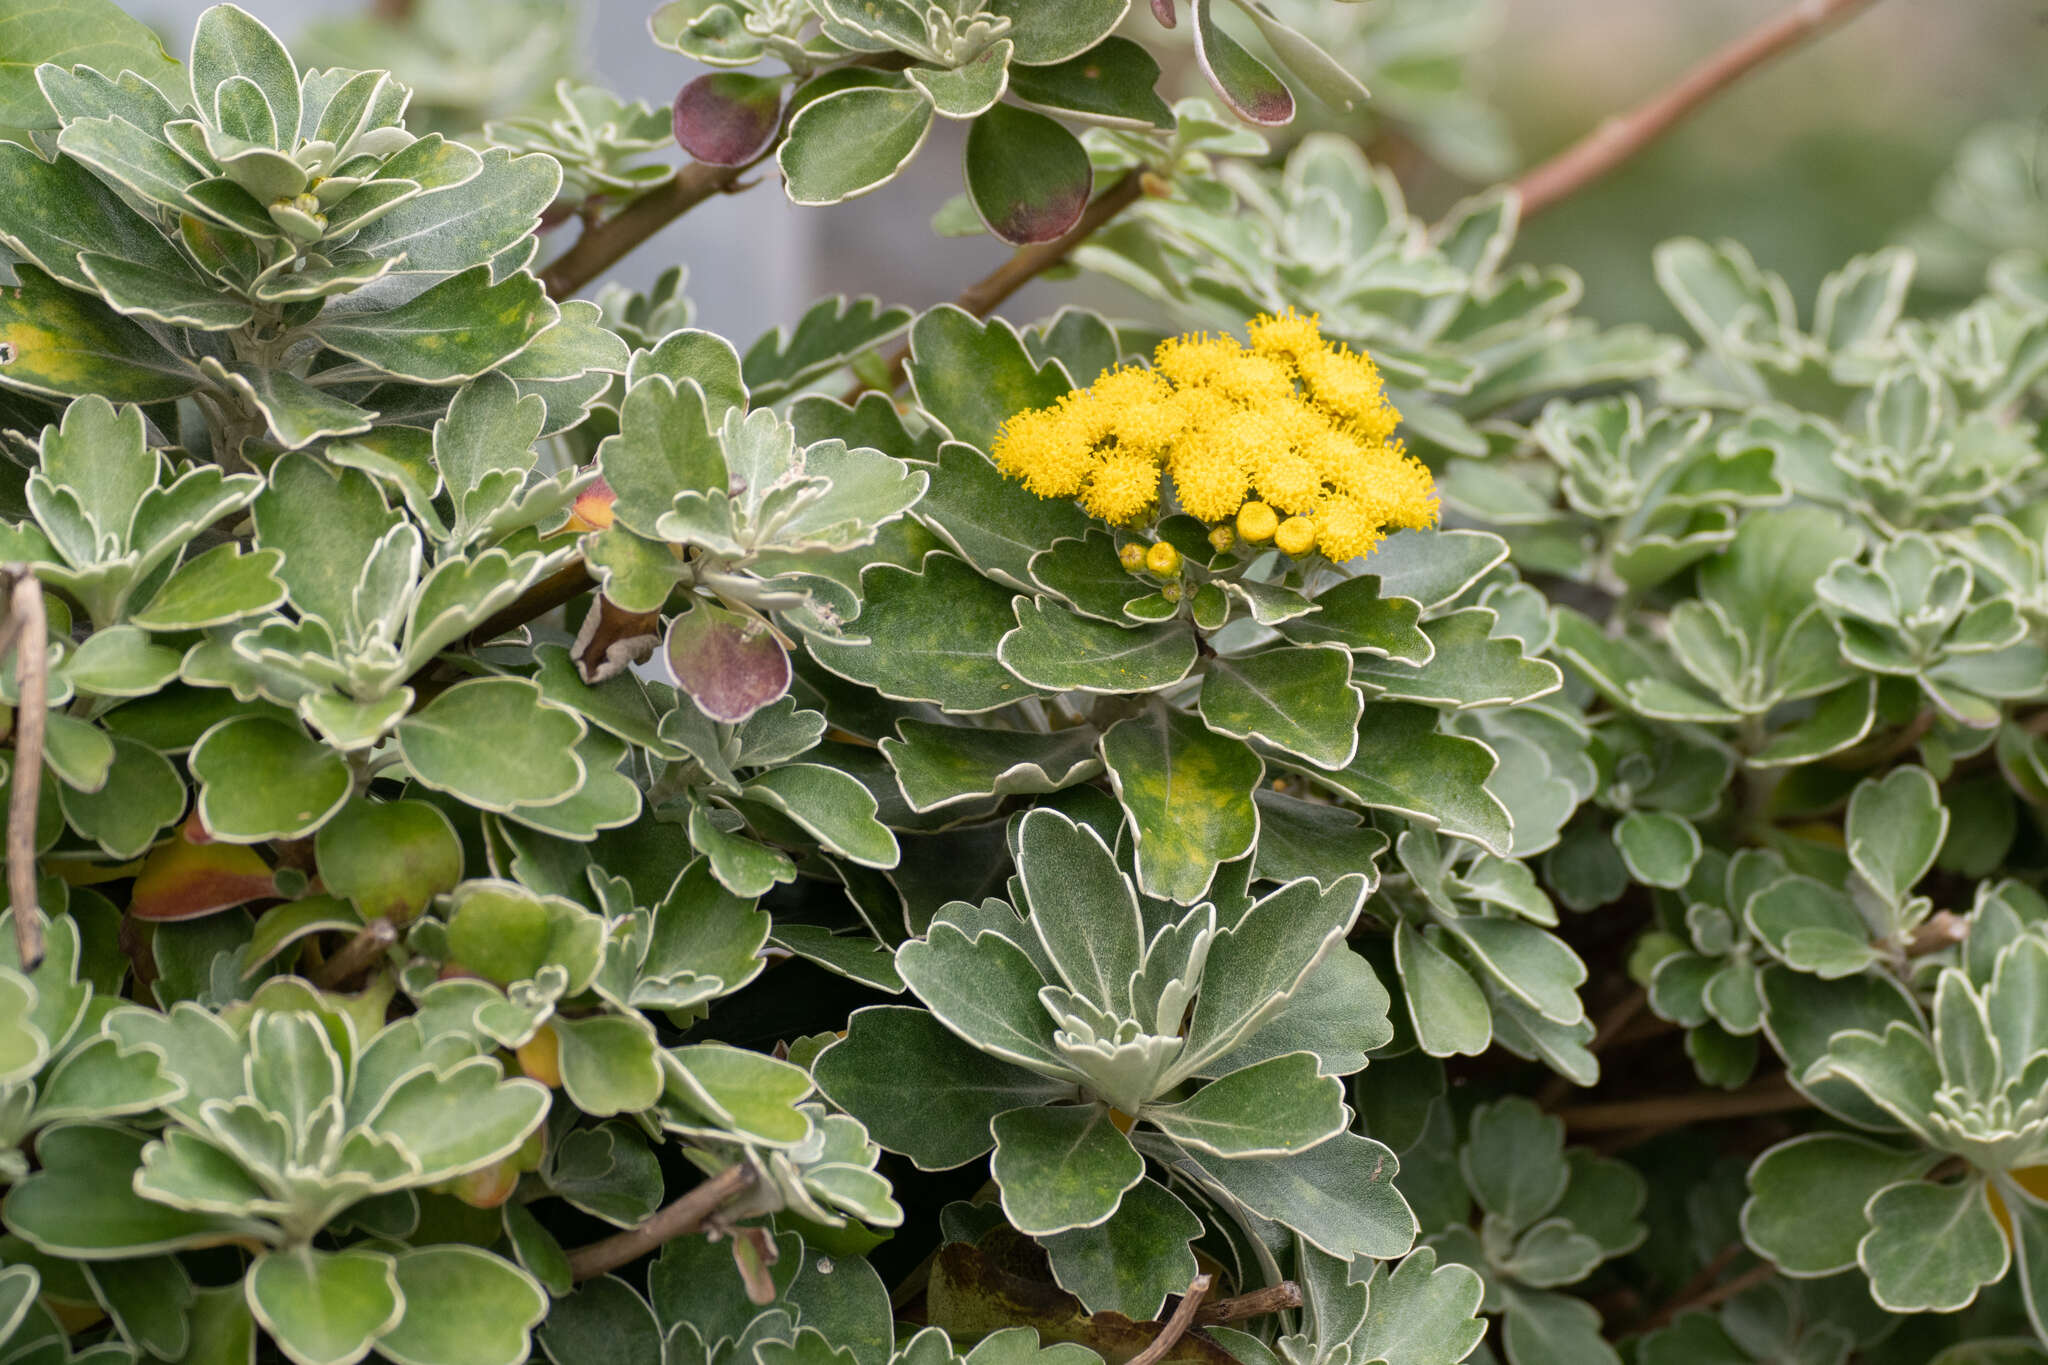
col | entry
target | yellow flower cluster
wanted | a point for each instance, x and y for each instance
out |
(1292, 429)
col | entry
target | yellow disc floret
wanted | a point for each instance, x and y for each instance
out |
(1296, 536)
(1289, 439)
(1132, 557)
(1257, 522)
(1163, 559)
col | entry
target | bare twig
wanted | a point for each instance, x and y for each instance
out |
(605, 245)
(992, 290)
(678, 1219)
(392, 11)
(1278, 1298)
(1623, 136)
(28, 630)
(1611, 1024)
(1176, 1326)
(1706, 1298)
(1773, 1095)
(1690, 1291)
(358, 955)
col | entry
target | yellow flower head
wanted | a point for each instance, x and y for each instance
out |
(1292, 425)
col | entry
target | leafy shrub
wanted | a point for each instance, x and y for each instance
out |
(536, 828)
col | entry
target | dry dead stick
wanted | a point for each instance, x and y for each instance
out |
(28, 629)
(678, 1219)
(1176, 1326)
(1624, 135)
(1277, 1298)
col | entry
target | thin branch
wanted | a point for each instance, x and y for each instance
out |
(1690, 1291)
(994, 289)
(1706, 1298)
(603, 246)
(392, 11)
(358, 955)
(1279, 1298)
(1620, 138)
(1774, 1095)
(29, 629)
(1611, 1024)
(679, 1219)
(1176, 1326)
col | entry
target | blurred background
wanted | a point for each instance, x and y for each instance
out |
(1836, 149)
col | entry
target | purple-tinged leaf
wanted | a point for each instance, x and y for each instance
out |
(1027, 176)
(728, 118)
(1246, 84)
(731, 666)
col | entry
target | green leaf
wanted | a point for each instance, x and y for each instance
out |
(1357, 616)
(971, 376)
(959, 1089)
(832, 806)
(609, 1063)
(1188, 792)
(261, 779)
(986, 989)
(1895, 830)
(322, 1307)
(1554, 1329)
(1270, 1109)
(230, 43)
(92, 33)
(1659, 849)
(389, 858)
(962, 92)
(852, 141)
(326, 523)
(1514, 1161)
(1056, 649)
(1421, 1313)
(1808, 1195)
(1930, 1248)
(1082, 907)
(121, 661)
(927, 635)
(143, 793)
(1446, 1006)
(1132, 1262)
(991, 520)
(212, 589)
(1062, 32)
(1257, 965)
(1297, 700)
(457, 330)
(1468, 666)
(1061, 1168)
(943, 765)
(830, 333)
(474, 207)
(1247, 86)
(1027, 176)
(1112, 83)
(70, 1207)
(493, 743)
(149, 1301)
(62, 344)
(1404, 765)
(1338, 1195)
(463, 1306)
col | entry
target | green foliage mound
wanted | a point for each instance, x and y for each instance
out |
(540, 830)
